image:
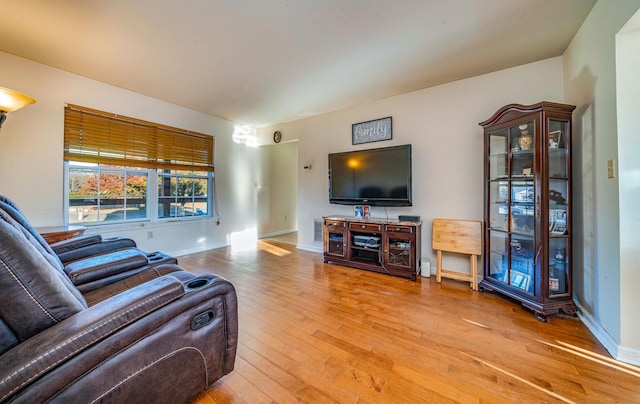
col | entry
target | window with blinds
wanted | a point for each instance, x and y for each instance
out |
(92, 136)
(122, 169)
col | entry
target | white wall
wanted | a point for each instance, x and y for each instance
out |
(628, 96)
(31, 155)
(442, 125)
(590, 84)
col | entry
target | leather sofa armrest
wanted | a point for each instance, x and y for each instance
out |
(43, 352)
(75, 243)
(157, 263)
(105, 265)
(67, 254)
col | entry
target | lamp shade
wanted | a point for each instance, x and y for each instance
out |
(12, 100)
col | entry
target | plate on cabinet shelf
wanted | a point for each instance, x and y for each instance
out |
(557, 221)
(519, 280)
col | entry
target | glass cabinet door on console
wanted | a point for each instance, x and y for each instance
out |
(398, 244)
(335, 238)
(527, 206)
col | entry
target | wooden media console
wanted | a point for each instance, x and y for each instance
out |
(385, 246)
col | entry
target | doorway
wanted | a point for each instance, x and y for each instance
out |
(278, 190)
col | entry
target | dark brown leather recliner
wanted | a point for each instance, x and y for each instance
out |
(88, 260)
(159, 335)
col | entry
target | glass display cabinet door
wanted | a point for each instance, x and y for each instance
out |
(511, 206)
(498, 204)
(558, 179)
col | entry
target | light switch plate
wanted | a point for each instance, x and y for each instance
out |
(611, 169)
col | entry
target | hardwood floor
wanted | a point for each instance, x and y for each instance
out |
(319, 333)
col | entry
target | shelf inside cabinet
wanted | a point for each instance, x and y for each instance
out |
(375, 249)
(522, 154)
(400, 246)
(367, 257)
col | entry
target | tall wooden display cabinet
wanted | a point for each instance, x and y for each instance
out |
(527, 250)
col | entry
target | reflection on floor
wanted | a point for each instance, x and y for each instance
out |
(289, 238)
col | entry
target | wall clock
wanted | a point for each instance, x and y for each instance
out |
(277, 136)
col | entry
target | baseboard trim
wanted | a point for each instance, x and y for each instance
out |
(310, 247)
(629, 355)
(196, 249)
(617, 351)
(600, 333)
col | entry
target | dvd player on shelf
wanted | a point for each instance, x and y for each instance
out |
(366, 241)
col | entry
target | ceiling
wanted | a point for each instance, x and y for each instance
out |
(260, 62)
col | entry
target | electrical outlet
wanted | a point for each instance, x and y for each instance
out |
(149, 235)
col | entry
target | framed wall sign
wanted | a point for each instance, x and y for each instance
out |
(371, 131)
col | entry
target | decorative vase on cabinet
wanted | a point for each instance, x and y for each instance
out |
(527, 251)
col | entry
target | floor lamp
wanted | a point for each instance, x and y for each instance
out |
(10, 101)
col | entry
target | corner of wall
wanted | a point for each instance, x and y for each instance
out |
(610, 344)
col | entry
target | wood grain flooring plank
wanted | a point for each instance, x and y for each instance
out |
(220, 393)
(263, 382)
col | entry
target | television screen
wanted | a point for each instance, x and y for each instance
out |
(377, 177)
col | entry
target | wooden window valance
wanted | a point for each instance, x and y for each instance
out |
(94, 136)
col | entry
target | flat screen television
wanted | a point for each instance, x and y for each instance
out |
(376, 177)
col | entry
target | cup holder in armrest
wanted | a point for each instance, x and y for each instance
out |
(154, 256)
(160, 257)
(197, 283)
